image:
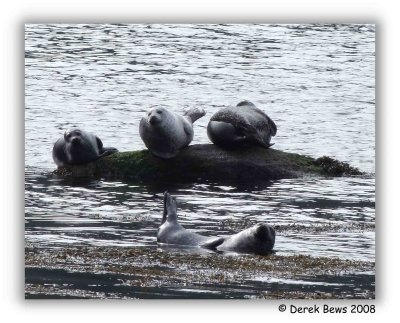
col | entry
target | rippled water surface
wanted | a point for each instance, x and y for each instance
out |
(317, 82)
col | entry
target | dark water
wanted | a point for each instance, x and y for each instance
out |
(317, 82)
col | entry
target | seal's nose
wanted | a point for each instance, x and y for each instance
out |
(75, 140)
(153, 120)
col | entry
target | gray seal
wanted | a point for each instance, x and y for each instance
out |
(165, 133)
(258, 239)
(241, 125)
(78, 147)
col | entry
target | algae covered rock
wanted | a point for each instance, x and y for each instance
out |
(208, 162)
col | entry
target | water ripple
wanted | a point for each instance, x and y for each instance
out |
(316, 81)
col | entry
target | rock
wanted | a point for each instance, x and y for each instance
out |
(208, 162)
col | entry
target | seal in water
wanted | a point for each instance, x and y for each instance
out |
(78, 147)
(258, 239)
(165, 133)
(241, 125)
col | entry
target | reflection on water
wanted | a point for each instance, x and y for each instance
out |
(315, 81)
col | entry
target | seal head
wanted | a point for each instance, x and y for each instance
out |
(78, 147)
(258, 239)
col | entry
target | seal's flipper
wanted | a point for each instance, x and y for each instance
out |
(194, 113)
(262, 142)
(262, 138)
(170, 207)
(105, 151)
(164, 218)
(213, 243)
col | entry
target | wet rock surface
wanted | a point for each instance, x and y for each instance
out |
(209, 162)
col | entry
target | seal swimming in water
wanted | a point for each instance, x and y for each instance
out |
(258, 239)
(240, 125)
(165, 133)
(78, 147)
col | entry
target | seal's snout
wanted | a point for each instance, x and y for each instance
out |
(73, 135)
(75, 140)
(264, 233)
(153, 120)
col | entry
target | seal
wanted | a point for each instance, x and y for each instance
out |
(241, 125)
(78, 147)
(258, 239)
(165, 133)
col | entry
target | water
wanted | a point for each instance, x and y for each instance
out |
(317, 82)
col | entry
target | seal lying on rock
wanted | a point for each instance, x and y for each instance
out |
(165, 133)
(78, 147)
(258, 239)
(240, 125)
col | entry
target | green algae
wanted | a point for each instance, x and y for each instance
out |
(210, 163)
(334, 167)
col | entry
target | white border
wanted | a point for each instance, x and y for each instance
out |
(13, 16)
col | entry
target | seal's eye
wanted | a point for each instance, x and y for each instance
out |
(159, 111)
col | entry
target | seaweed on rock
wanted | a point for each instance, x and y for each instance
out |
(210, 163)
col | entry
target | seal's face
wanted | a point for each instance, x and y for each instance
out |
(73, 136)
(262, 239)
(155, 116)
(259, 239)
(264, 232)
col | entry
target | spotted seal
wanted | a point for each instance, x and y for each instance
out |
(78, 147)
(165, 133)
(241, 125)
(258, 239)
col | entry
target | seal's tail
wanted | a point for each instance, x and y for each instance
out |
(194, 113)
(170, 208)
(164, 217)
